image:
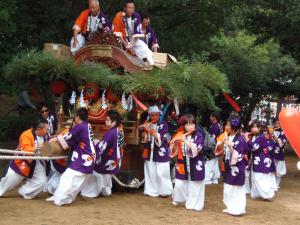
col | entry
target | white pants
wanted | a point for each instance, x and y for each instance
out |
(31, 188)
(274, 183)
(70, 184)
(247, 182)
(97, 184)
(212, 171)
(157, 179)
(280, 170)
(53, 181)
(142, 51)
(234, 198)
(190, 192)
(81, 42)
(262, 186)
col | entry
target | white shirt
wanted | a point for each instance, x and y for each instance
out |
(94, 23)
(226, 148)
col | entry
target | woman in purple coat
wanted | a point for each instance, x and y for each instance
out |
(235, 150)
(190, 171)
(262, 181)
(280, 139)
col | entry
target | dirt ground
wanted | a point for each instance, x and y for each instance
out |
(134, 208)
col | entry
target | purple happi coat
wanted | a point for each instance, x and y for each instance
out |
(102, 23)
(261, 160)
(60, 165)
(160, 153)
(108, 153)
(80, 140)
(151, 38)
(216, 129)
(279, 152)
(134, 28)
(235, 174)
(189, 167)
(272, 147)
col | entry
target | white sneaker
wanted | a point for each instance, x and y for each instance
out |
(51, 199)
(175, 203)
(27, 197)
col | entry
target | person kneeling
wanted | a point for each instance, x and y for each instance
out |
(32, 170)
(81, 165)
(108, 158)
(190, 170)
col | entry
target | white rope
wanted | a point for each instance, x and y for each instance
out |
(16, 152)
(8, 157)
(135, 183)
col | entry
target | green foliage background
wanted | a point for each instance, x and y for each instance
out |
(254, 43)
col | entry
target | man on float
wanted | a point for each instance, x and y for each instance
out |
(150, 35)
(127, 26)
(32, 171)
(89, 21)
(80, 140)
(156, 155)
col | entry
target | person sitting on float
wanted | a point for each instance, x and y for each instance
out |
(90, 21)
(150, 35)
(128, 27)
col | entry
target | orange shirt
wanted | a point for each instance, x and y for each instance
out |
(119, 26)
(26, 141)
(82, 20)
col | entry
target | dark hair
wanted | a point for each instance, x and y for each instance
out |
(145, 15)
(128, 2)
(275, 120)
(39, 123)
(264, 129)
(216, 115)
(254, 123)
(189, 118)
(235, 123)
(83, 114)
(42, 105)
(115, 117)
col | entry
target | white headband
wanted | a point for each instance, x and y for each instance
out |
(154, 109)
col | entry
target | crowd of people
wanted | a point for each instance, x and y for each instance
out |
(133, 30)
(251, 160)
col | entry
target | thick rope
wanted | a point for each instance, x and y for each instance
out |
(8, 157)
(16, 152)
(135, 183)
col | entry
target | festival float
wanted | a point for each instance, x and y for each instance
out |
(104, 48)
(119, 81)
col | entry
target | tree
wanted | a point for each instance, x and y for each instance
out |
(254, 69)
(276, 19)
(196, 83)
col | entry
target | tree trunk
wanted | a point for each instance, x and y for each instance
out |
(279, 106)
(252, 104)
